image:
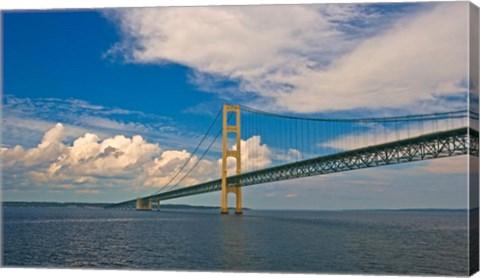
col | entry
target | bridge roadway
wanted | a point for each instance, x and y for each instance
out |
(430, 146)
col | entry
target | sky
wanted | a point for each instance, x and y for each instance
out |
(104, 105)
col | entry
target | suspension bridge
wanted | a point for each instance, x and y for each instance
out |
(245, 146)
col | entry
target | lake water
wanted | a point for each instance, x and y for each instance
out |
(367, 242)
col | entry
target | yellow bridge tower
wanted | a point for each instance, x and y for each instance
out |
(236, 153)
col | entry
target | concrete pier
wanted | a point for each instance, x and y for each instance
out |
(144, 205)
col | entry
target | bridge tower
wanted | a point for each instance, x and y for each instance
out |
(236, 153)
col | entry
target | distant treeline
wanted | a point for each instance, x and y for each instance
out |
(52, 204)
(413, 210)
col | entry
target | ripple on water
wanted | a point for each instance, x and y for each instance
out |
(274, 241)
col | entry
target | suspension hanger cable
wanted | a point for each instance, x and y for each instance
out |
(191, 154)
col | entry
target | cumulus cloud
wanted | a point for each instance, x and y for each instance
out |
(289, 156)
(164, 168)
(306, 58)
(113, 157)
(86, 161)
(49, 149)
(89, 164)
(254, 156)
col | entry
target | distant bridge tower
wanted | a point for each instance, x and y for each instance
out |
(231, 188)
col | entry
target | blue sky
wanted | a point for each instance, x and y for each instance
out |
(61, 53)
(162, 74)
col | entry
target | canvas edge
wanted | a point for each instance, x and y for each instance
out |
(473, 172)
(1, 137)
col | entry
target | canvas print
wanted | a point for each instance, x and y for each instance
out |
(306, 138)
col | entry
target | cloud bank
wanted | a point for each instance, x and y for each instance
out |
(89, 164)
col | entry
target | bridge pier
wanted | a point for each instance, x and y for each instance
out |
(238, 204)
(144, 205)
(158, 205)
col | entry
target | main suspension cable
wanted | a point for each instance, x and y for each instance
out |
(417, 117)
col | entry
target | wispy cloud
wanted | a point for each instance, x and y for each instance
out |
(454, 165)
(378, 133)
(429, 184)
(291, 195)
(26, 119)
(309, 58)
(87, 191)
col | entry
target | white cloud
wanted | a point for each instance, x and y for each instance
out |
(89, 164)
(420, 58)
(26, 131)
(46, 152)
(224, 37)
(300, 58)
(254, 156)
(291, 155)
(85, 162)
(164, 168)
(113, 157)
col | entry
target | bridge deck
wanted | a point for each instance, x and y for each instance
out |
(435, 145)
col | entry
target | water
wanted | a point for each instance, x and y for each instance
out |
(367, 242)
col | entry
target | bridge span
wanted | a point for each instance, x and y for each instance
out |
(441, 135)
